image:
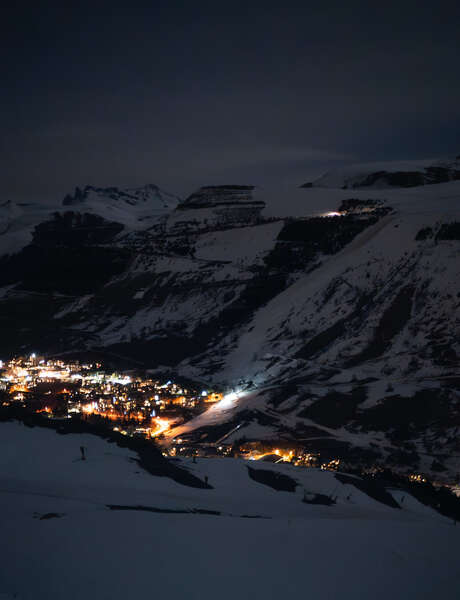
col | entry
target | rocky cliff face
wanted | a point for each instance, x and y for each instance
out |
(340, 326)
(216, 207)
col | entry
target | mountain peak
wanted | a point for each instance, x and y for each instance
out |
(133, 207)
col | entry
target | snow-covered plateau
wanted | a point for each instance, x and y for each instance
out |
(332, 308)
(104, 528)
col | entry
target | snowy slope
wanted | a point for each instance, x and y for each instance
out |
(60, 539)
(17, 222)
(347, 322)
(376, 259)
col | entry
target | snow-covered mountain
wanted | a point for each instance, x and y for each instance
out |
(336, 311)
(17, 223)
(106, 527)
(137, 208)
(134, 209)
(391, 174)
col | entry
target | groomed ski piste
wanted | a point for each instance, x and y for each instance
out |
(104, 528)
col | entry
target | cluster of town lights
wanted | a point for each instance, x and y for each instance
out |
(137, 405)
(133, 404)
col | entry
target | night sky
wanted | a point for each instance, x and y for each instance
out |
(184, 94)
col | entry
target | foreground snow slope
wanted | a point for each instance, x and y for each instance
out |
(59, 539)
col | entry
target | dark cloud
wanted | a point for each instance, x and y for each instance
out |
(182, 94)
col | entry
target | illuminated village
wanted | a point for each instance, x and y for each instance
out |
(136, 405)
(132, 405)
